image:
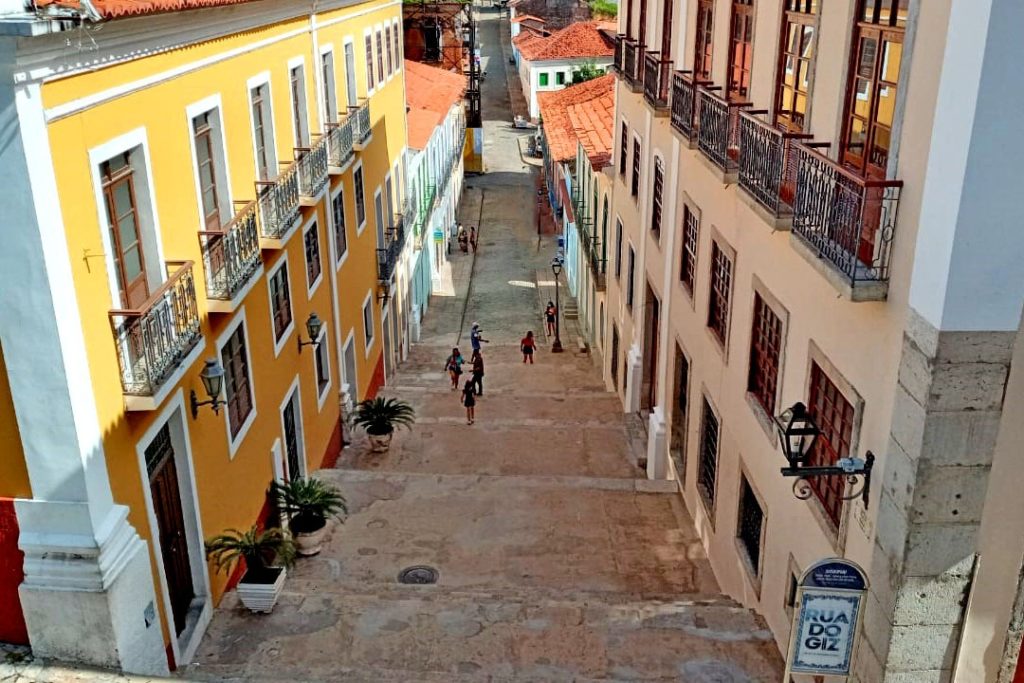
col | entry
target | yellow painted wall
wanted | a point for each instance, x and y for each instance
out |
(13, 475)
(230, 489)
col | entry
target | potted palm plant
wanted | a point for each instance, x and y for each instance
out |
(379, 417)
(266, 553)
(308, 503)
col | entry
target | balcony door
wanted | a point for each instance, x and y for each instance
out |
(350, 74)
(704, 40)
(874, 80)
(125, 232)
(741, 52)
(292, 437)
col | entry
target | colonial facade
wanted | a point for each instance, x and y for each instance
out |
(189, 186)
(813, 202)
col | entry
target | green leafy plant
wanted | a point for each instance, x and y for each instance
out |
(603, 9)
(261, 550)
(379, 416)
(586, 72)
(309, 502)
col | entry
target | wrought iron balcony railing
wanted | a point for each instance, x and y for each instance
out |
(231, 255)
(595, 259)
(339, 143)
(657, 76)
(617, 63)
(685, 113)
(767, 163)
(632, 63)
(847, 219)
(278, 201)
(360, 115)
(312, 163)
(153, 339)
(387, 258)
(718, 135)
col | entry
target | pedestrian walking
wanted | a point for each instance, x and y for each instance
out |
(469, 400)
(478, 372)
(549, 317)
(475, 338)
(472, 237)
(463, 240)
(527, 345)
(453, 366)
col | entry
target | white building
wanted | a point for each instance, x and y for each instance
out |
(548, 63)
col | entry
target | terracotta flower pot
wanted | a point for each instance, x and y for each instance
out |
(310, 542)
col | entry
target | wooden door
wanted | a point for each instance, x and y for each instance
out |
(291, 440)
(163, 485)
(871, 101)
(125, 235)
(652, 346)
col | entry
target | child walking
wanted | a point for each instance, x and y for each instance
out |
(527, 345)
(454, 367)
(469, 400)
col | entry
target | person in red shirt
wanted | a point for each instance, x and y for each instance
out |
(527, 345)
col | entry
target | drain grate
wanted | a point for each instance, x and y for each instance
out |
(420, 574)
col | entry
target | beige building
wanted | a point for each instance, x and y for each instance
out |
(815, 202)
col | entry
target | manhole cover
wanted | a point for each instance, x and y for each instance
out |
(420, 574)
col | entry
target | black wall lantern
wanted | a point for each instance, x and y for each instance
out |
(797, 435)
(212, 376)
(313, 327)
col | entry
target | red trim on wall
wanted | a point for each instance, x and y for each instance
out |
(333, 451)
(12, 620)
(261, 523)
(377, 381)
(1018, 676)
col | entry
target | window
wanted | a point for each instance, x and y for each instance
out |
(311, 243)
(559, 78)
(338, 216)
(795, 62)
(635, 184)
(350, 74)
(874, 79)
(834, 416)
(299, 121)
(262, 131)
(380, 57)
(330, 92)
(688, 259)
(235, 360)
(398, 46)
(391, 54)
(707, 465)
(125, 237)
(704, 40)
(618, 247)
(357, 186)
(792, 584)
(765, 345)
(615, 355)
(369, 62)
(206, 170)
(280, 301)
(721, 284)
(659, 186)
(623, 149)
(683, 377)
(741, 54)
(323, 364)
(630, 273)
(543, 79)
(368, 322)
(751, 523)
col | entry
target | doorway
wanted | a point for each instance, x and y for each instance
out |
(350, 367)
(386, 327)
(652, 330)
(680, 409)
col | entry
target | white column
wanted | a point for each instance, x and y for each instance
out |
(634, 378)
(88, 590)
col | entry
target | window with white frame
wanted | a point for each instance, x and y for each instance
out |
(322, 362)
(263, 132)
(368, 332)
(390, 49)
(338, 218)
(280, 299)
(300, 121)
(330, 87)
(380, 56)
(211, 171)
(369, 62)
(311, 247)
(350, 73)
(398, 45)
(237, 381)
(360, 198)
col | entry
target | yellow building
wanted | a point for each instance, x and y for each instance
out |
(188, 185)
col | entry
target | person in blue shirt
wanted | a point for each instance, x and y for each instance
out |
(475, 338)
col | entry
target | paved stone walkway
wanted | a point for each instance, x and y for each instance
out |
(557, 560)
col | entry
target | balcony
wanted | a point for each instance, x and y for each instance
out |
(617, 63)
(387, 258)
(159, 340)
(312, 165)
(278, 202)
(595, 259)
(718, 134)
(686, 105)
(844, 224)
(767, 168)
(340, 151)
(657, 77)
(632, 64)
(361, 130)
(231, 257)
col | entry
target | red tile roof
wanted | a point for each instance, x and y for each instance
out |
(114, 9)
(429, 95)
(582, 113)
(576, 40)
(527, 17)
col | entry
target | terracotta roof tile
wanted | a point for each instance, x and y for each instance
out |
(429, 95)
(576, 40)
(582, 113)
(114, 9)
(527, 17)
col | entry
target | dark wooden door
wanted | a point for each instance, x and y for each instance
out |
(163, 484)
(125, 235)
(652, 356)
(291, 440)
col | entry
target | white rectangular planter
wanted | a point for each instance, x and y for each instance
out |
(261, 597)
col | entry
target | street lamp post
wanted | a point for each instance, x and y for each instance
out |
(556, 268)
